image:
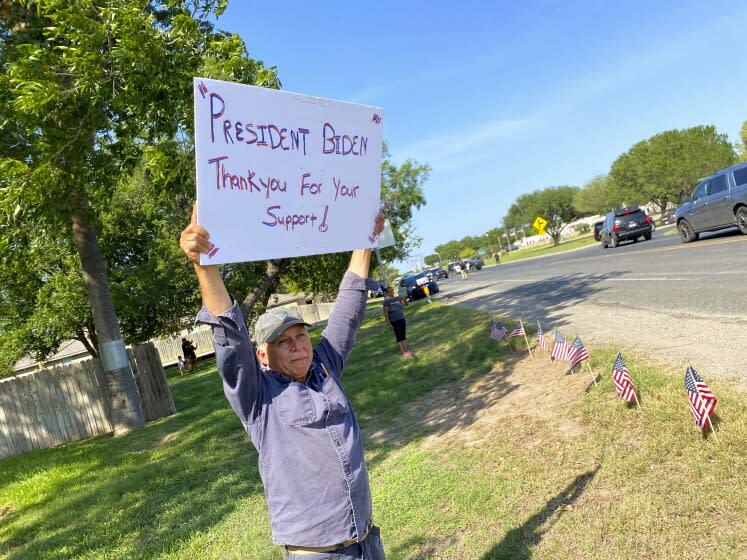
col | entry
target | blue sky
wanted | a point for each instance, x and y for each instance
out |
(503, 98)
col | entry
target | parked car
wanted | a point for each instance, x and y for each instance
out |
(598, 226)
(668, 218)
(718, 202)
(475, 263)
(414, 285)
(438, 273)
(625, 224)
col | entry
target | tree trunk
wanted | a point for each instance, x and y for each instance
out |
(126, 413)
(83, 339)
(269, 283)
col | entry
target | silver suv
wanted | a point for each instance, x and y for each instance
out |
(718, 202)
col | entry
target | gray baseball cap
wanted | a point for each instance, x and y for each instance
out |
(272, 323)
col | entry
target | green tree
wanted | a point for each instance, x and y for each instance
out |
(450, 251)
(494, 239)
(743, 145)
(90, 91)
(664, 168)
(554, 204)
(131, 164)
(431, 260)
(466, 253)
(598, 196)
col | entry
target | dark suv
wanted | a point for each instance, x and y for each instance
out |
(475, 263)
(438, 273)
(415, 282)
(625, 224)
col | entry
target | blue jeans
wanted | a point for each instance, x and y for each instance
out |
(370, 549)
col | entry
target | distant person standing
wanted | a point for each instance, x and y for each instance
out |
(497, 259)
(189, 354)
(402, 293)
(394, 313)
(180, 363)
(461, 271)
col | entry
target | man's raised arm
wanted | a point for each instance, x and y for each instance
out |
(193, 241)
(339, 336)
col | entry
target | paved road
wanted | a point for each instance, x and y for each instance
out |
(676, 302)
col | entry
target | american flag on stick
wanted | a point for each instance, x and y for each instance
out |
(497, 331)
(561, 348)
(702, 401)
(541, 340)
(577, 352)
(518, 331)
(623, 383)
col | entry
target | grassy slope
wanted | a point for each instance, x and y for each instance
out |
(635, 484)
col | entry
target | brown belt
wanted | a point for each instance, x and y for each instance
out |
(331, 548)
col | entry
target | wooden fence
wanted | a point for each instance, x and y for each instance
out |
(67, 403)
(170, 348)
(202, 337)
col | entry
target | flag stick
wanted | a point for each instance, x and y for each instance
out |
(712, 430)
(539, 327)
(637, 402)
(594, 377)
(555, 330)
(507, 342)
(526, 339)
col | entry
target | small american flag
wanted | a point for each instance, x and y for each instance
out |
(702, 401)
(623, 383)
(561, 348)
(578, 352)
(518, 331)
(541, 340)
(497, 331)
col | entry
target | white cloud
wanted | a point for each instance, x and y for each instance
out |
(450, 150)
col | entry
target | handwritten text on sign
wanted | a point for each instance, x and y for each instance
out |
(281, 174)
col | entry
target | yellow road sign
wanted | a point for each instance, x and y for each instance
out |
(539, 224)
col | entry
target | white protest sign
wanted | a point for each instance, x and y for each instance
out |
(281, 174)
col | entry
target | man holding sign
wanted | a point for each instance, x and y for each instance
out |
(289, 398)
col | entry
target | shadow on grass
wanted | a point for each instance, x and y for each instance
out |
(535, 300)
(149, 491)
(451, 345)
(518, 543)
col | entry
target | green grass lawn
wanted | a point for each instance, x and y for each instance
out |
(631, 484)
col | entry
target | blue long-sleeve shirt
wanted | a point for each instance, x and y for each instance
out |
(309, 443)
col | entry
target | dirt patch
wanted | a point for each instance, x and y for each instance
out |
(6, 510)
(473, 410)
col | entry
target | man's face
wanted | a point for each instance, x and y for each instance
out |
(290, 354)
